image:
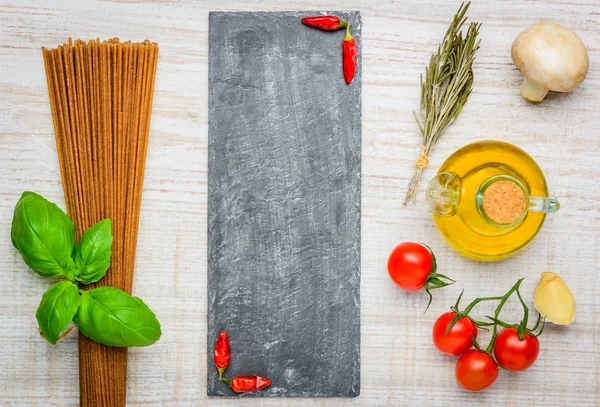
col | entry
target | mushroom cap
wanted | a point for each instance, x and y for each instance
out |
(551, 56)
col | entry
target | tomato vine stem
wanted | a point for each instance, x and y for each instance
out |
(495, 321)
(505, 298)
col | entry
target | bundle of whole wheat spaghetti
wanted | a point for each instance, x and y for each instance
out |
(101, 98)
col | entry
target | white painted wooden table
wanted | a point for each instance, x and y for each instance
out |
(399, 363)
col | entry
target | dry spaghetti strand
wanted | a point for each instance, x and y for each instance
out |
(101, 101)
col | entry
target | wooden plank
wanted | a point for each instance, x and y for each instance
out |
(399, 366)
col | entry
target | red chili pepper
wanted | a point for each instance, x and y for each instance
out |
(325, 23)
(222, 353)
(247, 384)
(349, 56)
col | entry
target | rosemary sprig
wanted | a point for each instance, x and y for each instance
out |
(446, 88)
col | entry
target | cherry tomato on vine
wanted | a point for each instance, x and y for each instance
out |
(476, 370)
(458, 339)
(515, 354)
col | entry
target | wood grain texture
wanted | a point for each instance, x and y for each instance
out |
(399, 365)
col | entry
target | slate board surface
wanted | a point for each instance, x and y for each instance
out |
(284, 204)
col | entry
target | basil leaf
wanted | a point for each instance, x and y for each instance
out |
(92, 255)
(57, 308)
(112, 317)
(43, 234)
(72, 270)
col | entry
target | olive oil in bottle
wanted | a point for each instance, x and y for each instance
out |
(489, 200)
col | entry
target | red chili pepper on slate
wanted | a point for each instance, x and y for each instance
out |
(325, 23)
(247, 384)
(349, 56)
(222, 353)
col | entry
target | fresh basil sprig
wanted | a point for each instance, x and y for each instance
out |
(92, 256)
(112, 317)
(58, 307)
(45, 237)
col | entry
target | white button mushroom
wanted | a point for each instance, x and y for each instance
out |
(550, 57)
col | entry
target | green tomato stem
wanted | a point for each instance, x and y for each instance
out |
(525, 309)
(537, 323)
(477, 301)
(495, 320)
(434, 279)
(505, 298)
(541, 329)
(475, 343)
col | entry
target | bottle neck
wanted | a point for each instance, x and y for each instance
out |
(502, 201)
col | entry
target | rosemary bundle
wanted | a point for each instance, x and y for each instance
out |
(446, 88)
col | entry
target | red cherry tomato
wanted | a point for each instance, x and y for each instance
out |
(515, 354)
(458, 339)
(476, 370)
(409, 265)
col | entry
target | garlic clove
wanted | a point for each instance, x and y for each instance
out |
(554, 300)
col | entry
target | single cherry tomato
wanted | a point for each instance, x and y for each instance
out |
(458, 339)
(412, 266)
(409, 265)
(476, 370)
(513, 353)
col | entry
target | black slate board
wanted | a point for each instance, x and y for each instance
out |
(284, 204)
